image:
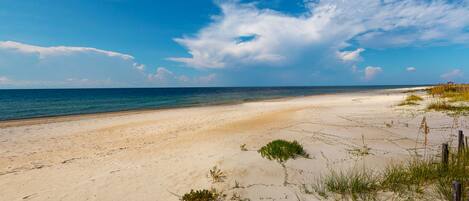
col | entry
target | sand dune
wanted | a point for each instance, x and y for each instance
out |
(158, 155)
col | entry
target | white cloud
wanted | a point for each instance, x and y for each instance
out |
(453, 74)
(161, 75)
(371, 72)
(350, 55)
(165, 77)
(322, 32)
(58, 50)
(62, 66)
(411, 69)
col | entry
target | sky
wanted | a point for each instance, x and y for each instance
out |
(193, 43)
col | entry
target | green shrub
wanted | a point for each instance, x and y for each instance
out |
(202, 195)
(282, 150)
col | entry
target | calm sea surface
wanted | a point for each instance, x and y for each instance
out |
(31, 103)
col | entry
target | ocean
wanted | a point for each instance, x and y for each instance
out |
(33, 103)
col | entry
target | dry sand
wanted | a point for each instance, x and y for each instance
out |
(158, 155)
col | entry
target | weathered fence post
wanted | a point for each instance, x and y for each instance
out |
(467, 145)
(444, 154)
(460, 141)
(457, 191)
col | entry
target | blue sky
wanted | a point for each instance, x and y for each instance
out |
(145, 43)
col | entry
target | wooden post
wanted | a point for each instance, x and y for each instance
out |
(467, 145)
(444, 154)
(460, 141)
(457, 191)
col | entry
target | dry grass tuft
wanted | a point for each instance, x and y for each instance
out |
(411, 100)
(453, 92)
(445, 106)
(217, 175)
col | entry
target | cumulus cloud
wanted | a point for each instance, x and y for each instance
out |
(327, 28)
(63, 66)
(165, 77)
(453, 74)
(411, 69)
(371, 72)
(161, 75)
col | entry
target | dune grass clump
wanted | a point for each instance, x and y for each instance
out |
(203, 195)
(416, 179)
(282, 150)
(450, 93)
(440, 106)
(409, 177)
(453, 92)
(414, 98)
(411, 100)
(445, 106)
(354, 184)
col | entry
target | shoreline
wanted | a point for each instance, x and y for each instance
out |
(76, 117)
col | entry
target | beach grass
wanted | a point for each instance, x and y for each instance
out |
(452, 92)
(415, 179)
(448, 95)
(445, 106)
(354, 184)
(411, 100)
(449, 89)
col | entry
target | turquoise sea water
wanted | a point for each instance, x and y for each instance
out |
(31, 103)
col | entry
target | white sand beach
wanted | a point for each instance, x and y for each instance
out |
(159, 155)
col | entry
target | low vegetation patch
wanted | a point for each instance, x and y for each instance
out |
(445, 106)
(361, 151)
(354, 184)
(452, 92)
(217, 175)
(414, 98)
(243, 147)
(411, 100)
(448, 94)
(409, 177)
(416, 179)
(282, 150)
(203, 195)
